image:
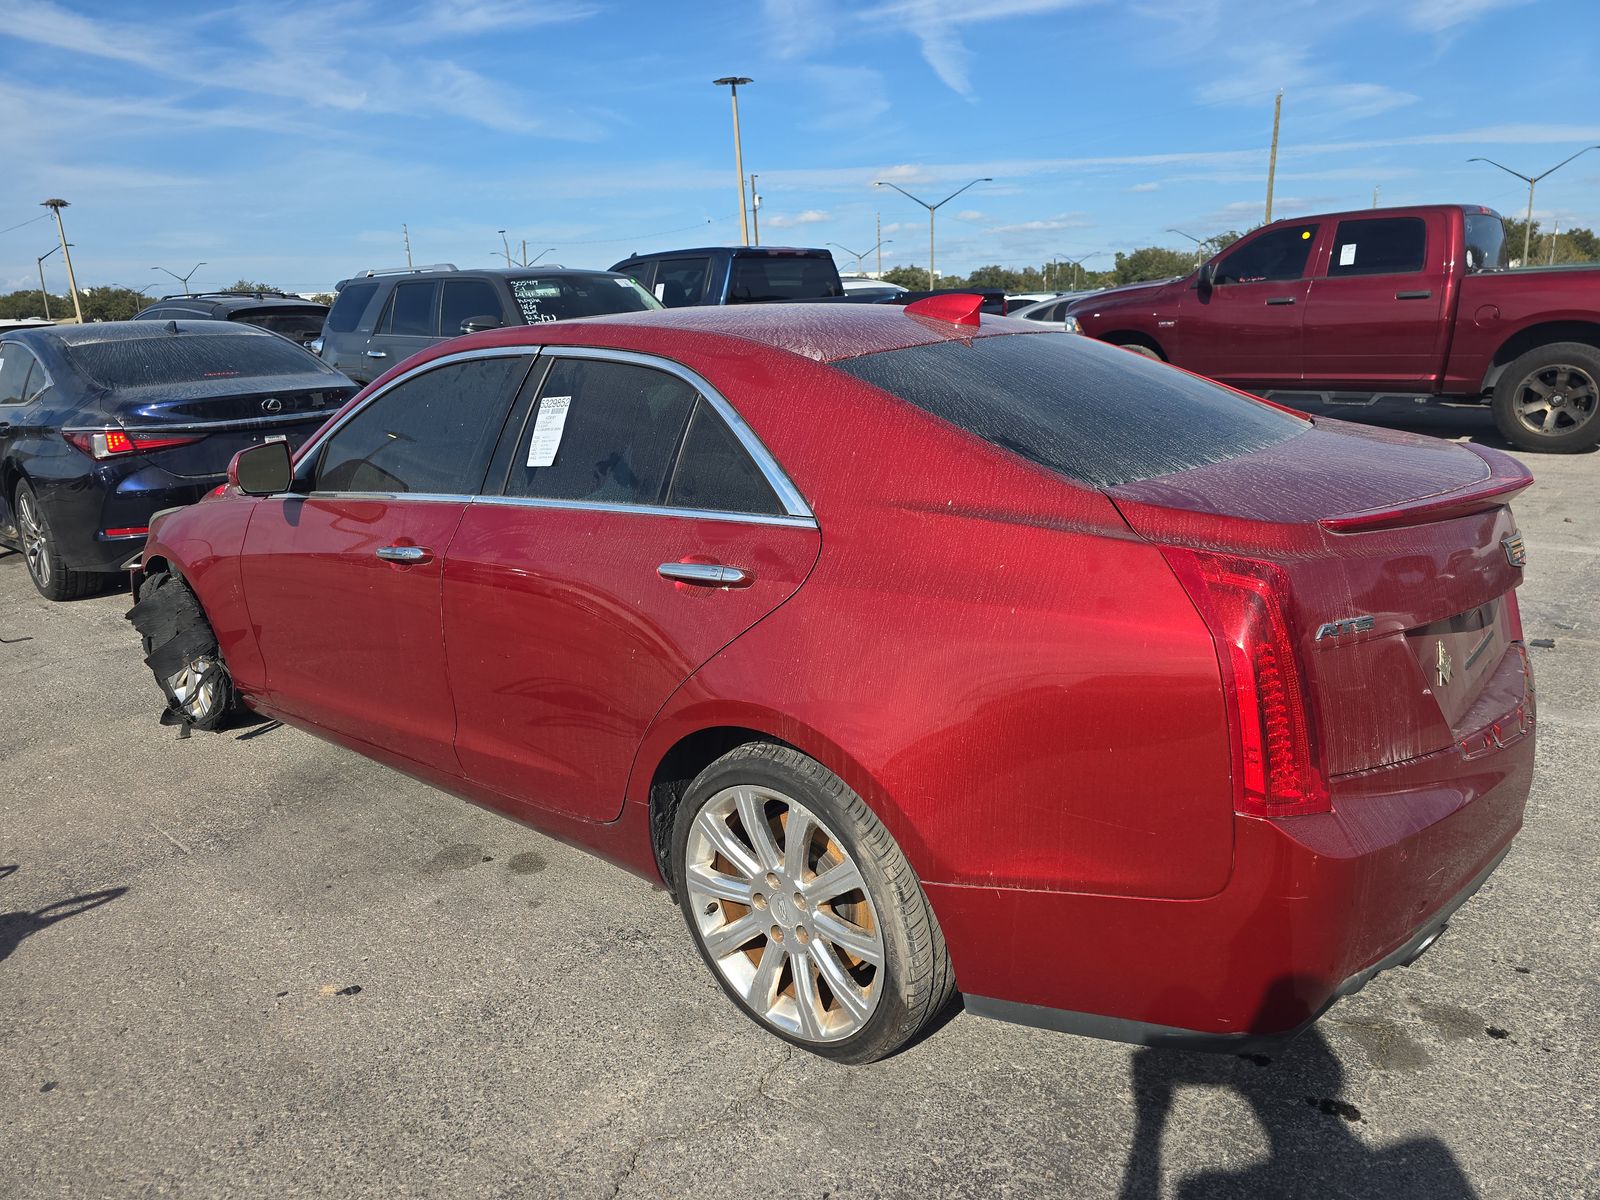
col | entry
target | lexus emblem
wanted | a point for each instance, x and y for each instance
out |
(1443, 665)
(272, 404)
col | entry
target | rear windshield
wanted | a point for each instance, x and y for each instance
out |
(759, 277)
(296, 325)
(561, 297)
(1486, 242)
(190, 358)
(1090, 411)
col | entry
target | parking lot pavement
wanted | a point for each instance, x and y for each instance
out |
(252, 963)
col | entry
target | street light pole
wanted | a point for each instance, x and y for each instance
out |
(56, 206)
(505, 246)
(1199, 243)
(44, 295)
(183, 279)
(755, 209)
(1530, 180)
(1078, 262)
(862, 254)
(932, 208)
(732, 82)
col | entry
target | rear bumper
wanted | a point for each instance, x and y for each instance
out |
(1314, 907)
(79, 516)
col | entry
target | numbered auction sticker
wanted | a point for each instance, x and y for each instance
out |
(547, 428)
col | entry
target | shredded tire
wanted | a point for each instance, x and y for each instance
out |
(169, 618)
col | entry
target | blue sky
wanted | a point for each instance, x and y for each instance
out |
(288, 141)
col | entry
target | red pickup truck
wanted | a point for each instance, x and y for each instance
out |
(1354, 307)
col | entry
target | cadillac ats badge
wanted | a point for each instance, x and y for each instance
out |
(1443, 665)
(1516, 551)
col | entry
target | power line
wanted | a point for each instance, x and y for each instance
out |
(43, 217)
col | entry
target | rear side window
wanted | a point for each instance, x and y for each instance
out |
(1379, 246)
(758, 277)
(601, 431)
(562, 297)
(681, 282)
(431, 434)
(715, 473)
(411, 310)
(1278, 255)
(348, 306)
(167, 358)
(465, 299)
(1082, 408)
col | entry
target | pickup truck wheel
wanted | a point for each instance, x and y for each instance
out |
(1549, 399)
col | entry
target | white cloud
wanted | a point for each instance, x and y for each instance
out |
(971, 214)
(1441, 16)
(811, 216)
(1145, 187)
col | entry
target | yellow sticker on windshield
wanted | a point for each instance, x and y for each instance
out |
(1304, 236)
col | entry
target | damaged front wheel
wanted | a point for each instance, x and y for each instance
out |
(181, 650)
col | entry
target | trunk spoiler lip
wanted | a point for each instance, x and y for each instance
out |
(1506, 477)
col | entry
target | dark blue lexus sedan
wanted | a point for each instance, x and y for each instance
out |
(103, 425)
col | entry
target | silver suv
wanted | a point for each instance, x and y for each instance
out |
(381, 318)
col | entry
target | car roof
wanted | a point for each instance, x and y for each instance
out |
(738, 251)
(127, 331)
(535, 271)
(825, 333)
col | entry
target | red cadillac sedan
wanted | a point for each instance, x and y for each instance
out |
(913, 650)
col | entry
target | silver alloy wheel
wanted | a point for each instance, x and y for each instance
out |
(198, 688)
(34, 546)
(1556, 399)
(784, 913)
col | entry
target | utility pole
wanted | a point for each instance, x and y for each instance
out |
(755, 209)
(1374, 195)
(56, 206)
(1530, 180)
(732, 82)
(524, 258)
(406, 233)
(932, 208)
(1555, 232)
(879, 218)
(1272, 160)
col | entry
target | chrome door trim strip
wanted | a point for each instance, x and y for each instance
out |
(602, 506)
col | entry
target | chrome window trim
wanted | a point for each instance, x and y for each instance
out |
(789, 496)
(604, 506)
(797, 511)
(241, 423)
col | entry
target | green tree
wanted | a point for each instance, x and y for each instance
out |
(913, 277)
(1574, 245)
(20, 305)
(323, 298)
(109, 303)
(1151, 262)
(244, 285)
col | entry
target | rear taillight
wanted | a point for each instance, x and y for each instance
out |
(1244, 604)
(110, 443)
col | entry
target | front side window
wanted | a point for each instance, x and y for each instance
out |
(1279, 255)
(680, 282)
(1379, 246)
(465, 299)
(348, 306)
(601, 432)
(411, 310)
(431, 434)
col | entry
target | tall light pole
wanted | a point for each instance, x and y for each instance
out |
(183, 279)
(505, 245)
(862, 254)
(1199, 243)
(1527, 232)
(1078, 262)
(755, 209)
(732, 82)
(932, 208)
(56, 206)
(42, 292)
(537, 257)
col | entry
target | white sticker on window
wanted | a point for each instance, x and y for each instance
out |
(661, 290)
(547, 427)
(1347, 254)
(624, 282)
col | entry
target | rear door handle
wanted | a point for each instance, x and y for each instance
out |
(1413, 295)
(405, 554)
(377, 354)
(1275, 300)
(706, 574)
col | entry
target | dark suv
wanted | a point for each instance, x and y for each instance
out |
(735, 275)
(381, 318)
(298, 319)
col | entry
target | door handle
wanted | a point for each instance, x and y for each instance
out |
(405, 554)
(1276, 300)
(5, 428)
(1413, 295)
(706, 574)
(377, 354)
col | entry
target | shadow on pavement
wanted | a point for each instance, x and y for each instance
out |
(15, 926)
(1312, 1146)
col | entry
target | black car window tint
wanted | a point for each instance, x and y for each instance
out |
(680, 282)
(644, 274)
(601, 431)
(1379, 246)
(1486, 242)
(1065, 403)
(177, 358)
(758, 277)
(1278, 255)
(465, 299)
(348, 306)
(431, 434)
(714, 471)
(411, 310)
(15, 363)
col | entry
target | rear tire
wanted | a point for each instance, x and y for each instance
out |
(40, 548)
(833, 946)
(1548, 400)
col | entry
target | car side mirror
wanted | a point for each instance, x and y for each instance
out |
(475, 324)
(263, 470)
(1206, 278)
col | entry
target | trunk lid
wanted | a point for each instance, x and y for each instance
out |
(1401, 565)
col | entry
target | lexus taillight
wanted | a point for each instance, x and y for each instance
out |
(110, 443)
(1244, 604)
